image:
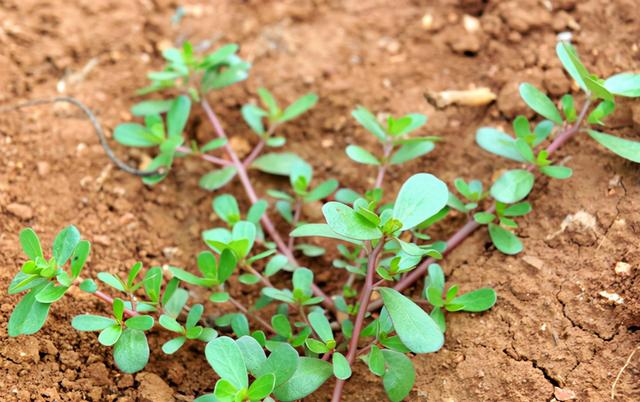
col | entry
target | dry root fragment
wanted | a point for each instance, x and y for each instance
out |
(471, 97)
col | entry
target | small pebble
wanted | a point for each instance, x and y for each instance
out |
(22, 211)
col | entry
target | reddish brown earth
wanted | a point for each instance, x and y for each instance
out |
(550, 327)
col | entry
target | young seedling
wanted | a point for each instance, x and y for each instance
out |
(386, 246)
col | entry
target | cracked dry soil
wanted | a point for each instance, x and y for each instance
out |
(551, 328)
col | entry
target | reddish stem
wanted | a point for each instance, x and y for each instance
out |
(206, 157)
(254, 154)
(251, 193)
(365, 295)
(109, 299)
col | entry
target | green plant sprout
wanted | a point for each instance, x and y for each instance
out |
(385, 243)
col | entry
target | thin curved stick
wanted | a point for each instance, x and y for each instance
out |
(97, 127)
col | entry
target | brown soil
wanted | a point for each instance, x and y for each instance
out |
(550, 328)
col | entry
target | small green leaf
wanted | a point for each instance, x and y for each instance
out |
(29, 315)
(399, 377)
(253, 115)
(369, 121)
(520, 209)
(141, 322)
(269, 101)
(149, 107)
(135, 135)
(504, 240)
(540, 102)
(111, 280)
(341, 367)
(557, 172)
(178, 115)
(320, 230)
(310, 374)
(65, 243)
(625, 148)
(476, 301)
(225, 391)
(225, 357)
(420, 197)
(282, 362)
(376, 361)
(624, 84)
(51, 293)
(601, 111)
(131, 352)
(361, 155)
(262, 387)
(483, 218)
(323, 190)
(173, 345)
(499, 143)
(89, 286)
(411, 151)
(216, 179)
(170, 323)
(79, 257)
(110, 335)
(277, 163)
(89, 322)
(415, 328)
(513, 186)
(30, 243)
(298, 107)
(252, 352)
(219, 297)
(320, 325)
(343, 220)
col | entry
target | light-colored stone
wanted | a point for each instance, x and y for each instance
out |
(22, 211)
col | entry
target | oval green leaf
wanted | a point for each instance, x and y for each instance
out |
(421, 196)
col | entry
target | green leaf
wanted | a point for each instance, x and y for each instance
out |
(476, 301)
(111, 280)
(624, 84)
(409, 123)
(282, 362)
(216, 179)
(415, 328)
(213, 144)
(436, 277)
(369, 121)
(298, 107)
(110, 335)
(540, 102)
(277, 163)
(150, 107)
(252, 352)
(557, 172)
(399, 377)
(79, 257)
(89, 286)
(420, 197)
(178, 115)
(262, 387)
(30, 243)
(253, 115)
(361, 155)
(51, 293)
(520, 209)
(173, 345)
(170, 323)
(571, 63)
(483, 218)
(64, 244)
(135, 135)
(219, 297)
(601, 111)
(343, 220)
(323, 190)
(29, 315)
(320, 325)
(504, 240)
(626, 148)
(376, 361)
(225, 357)
(341, 367)
(141, 322)
(153, 283)
(310, 374)
(513, 186)
(90, 322)
(411, 151)
(269, 101)
(499, 143)
(131, 352)
(225, 391)
(320, 230)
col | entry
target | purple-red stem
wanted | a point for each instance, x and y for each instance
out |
(365, 295)
(206, 157)
(109, 299)
(251, 193)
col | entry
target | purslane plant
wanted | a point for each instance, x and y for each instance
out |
(385, 246)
